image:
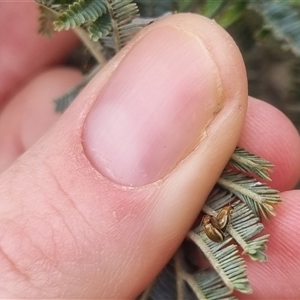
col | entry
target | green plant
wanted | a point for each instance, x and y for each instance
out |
(105, 26)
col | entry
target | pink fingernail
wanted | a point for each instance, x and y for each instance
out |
(154, 109)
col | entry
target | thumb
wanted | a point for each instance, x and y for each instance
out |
(97, 206)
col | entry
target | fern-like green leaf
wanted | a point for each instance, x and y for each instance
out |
(245, 161)
(259, 197)
(122, 12)
(80, 12)
(224, 259)
(212, 286)
(205, 285)
(100, 28)
(56, 6)
(243, 226)
(283, 19)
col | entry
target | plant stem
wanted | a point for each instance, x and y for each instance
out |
(94, 47)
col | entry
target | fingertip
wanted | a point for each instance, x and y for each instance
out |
(279, 277)
(32, 112)
(268, 133)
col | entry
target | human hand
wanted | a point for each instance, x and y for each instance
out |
(97, 206)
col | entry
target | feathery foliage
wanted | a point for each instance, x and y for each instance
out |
(224, 259)
(244, 226)
(94, 18)
(212, 286)
(100, 28)
(259, 197)
(79, 13)
(122, 12)
(248, 162)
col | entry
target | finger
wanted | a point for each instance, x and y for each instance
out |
(268, 133)
(24, 52)
(98, 205)
(32, 111)
(279, 278)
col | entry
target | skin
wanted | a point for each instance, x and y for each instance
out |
(66, 231)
